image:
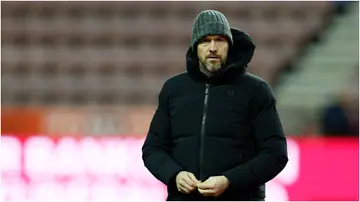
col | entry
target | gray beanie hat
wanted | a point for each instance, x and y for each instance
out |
(210, 22)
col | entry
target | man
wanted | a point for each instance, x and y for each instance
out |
(216, 134)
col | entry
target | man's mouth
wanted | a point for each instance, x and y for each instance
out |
(213, 57)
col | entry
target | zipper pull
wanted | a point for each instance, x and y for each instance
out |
(207, 89)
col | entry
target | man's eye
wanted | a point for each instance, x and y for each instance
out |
(205, 41)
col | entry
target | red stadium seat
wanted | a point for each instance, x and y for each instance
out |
(113, 52)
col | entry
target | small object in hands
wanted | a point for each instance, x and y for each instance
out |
(186, 182)
(214, 186)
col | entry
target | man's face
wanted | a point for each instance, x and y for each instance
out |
(212, 52)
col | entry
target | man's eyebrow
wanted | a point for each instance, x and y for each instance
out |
(220, 37)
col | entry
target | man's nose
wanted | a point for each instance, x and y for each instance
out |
(213, 47)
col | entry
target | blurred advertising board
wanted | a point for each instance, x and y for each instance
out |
(44, 168)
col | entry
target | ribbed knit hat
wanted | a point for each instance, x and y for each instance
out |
(210, 22)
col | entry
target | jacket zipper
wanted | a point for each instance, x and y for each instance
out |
(202, 134)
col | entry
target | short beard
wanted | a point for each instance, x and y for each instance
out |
(204, 69)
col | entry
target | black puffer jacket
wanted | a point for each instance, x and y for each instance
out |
(227, 125)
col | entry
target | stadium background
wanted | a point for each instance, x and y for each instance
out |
(80, 83)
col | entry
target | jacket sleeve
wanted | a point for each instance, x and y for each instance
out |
(271, 147)
(155, 151)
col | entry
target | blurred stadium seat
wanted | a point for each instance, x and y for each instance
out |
(56, 51)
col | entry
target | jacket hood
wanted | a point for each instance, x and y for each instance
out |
(240, 54)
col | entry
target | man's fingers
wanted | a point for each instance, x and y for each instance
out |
(189, 181)
(205, 186)
(186, 186)
(207, 192)
(183, 190)
(193, 178)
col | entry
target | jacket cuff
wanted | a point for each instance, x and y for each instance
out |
(172, 178)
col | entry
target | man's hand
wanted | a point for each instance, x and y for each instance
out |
(186, 182)
(214, 186)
